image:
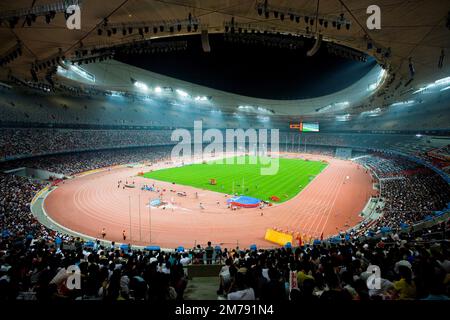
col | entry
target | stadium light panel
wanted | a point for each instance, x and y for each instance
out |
(116, 93)
(263, 118)
(403, 103)
(82, 73)
(263, 110)
(437, 83)
(443, 81)
(444, 89)
(342, 104)
(158, 89)
(372, 113)
(140, 85)
(323, 109)
(335, 105)
(420, 90)
(342, 118)
(201, 98)
(372, 87)
(61, 70)
(182, 93)
(380, 79)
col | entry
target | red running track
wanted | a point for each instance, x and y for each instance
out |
(329, 204)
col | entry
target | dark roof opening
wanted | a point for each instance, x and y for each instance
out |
(261, 67)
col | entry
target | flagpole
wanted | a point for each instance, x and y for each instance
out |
(150, 219)
(140, 230)
(129, 212)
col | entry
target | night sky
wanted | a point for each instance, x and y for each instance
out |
(255, 70)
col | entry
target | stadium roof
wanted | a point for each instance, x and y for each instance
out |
(114, 75)
(409, 29)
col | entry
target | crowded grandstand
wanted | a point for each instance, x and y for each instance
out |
(85, 134)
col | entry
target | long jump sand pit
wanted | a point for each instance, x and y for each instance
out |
(330, 203)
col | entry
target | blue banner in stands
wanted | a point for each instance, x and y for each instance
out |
(335, 239)
(180, 249)
(317, 242)
(152, 248)
(288, 245)
(89, 244)
(253, 247)
(124, 247)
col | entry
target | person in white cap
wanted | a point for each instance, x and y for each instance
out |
(405, 288)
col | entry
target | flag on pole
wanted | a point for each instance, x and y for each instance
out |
(293, 280)
(299, 239)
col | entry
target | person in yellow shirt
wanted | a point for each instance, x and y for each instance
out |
(302, 276)
(303, 273)
(404, 289)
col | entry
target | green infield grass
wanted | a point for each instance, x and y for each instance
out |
(244, 179)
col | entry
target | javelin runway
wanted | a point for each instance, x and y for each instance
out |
(329, 204)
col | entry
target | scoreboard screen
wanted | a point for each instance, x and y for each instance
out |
(305, 126)
(310, 127)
